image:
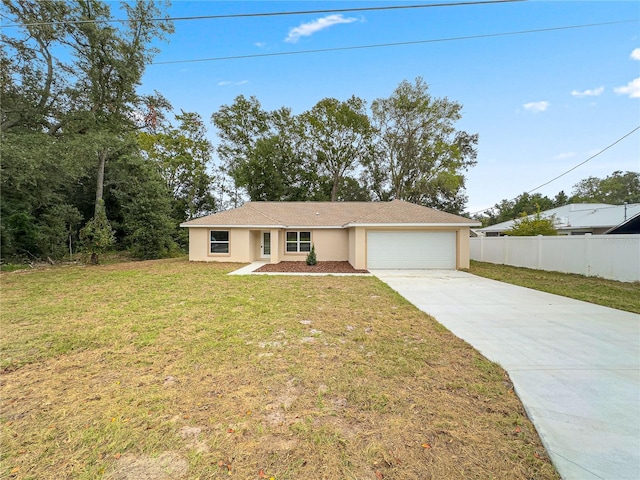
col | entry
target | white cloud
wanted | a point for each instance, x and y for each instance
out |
(536, 107)
(307, 29)
(260, 44)
(594, 92)
(564, 156)
(632, 89)
(225, 83)
(635, 55)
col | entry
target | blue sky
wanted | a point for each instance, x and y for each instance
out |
(540, 102)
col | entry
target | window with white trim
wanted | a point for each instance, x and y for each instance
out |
(298, 242)
(219, 241)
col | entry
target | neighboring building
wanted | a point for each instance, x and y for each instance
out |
(630, 226)
(368, 235)
(577, 219)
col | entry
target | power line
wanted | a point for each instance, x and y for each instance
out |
(582, 163)
(274, 14)
(572, 168)
(395, 44)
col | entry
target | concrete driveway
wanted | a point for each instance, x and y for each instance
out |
(574, 365)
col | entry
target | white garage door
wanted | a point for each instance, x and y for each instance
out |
(411, 250)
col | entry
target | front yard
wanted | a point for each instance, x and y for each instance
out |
(167, 369)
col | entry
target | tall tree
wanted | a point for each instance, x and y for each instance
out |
(69, 105)
(109, 62)
(616, 189)
(339, 138)
(421, 157)
(265, 152)
(184, 157)
(239, 126)
(140, 206)
(34, 83)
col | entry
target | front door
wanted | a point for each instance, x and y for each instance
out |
(265, 245)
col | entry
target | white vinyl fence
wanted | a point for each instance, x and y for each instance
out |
(616, 257)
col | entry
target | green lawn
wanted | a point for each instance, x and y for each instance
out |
(170, 369)
(620, 295)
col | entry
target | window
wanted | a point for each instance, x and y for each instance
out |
(219, 241)
(298, 242)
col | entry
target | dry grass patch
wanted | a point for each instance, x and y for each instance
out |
(169, 369)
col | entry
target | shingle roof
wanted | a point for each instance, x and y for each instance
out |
(328, 214)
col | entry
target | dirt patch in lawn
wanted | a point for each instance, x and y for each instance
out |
(302, 267)
(166, 466)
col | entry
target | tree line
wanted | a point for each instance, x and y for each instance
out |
(88, 162)
(405, 147)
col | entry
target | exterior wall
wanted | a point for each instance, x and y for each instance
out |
(463, 254)
(358, 247)
(244, 245)
(198, 244)
(240, 246)
(275, 246)
(331, 244)
(255, 240)
(616, 257)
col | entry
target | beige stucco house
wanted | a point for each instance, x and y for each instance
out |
(368, 235)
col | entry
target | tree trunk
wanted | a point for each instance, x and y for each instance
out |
(102, 159)
(334, 189)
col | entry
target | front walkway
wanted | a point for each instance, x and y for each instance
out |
(574, 365)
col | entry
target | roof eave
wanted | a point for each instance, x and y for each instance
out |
(209, 225)
(317, 227)
(432, 224)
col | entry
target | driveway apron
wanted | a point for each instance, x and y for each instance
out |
(574, 365)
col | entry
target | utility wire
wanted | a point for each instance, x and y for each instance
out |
(275, 14)
(396, 44)
(571, 169)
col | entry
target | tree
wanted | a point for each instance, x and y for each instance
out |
(349, 190)
(94, 92)
(420, 156)
(264, 152)
(507, 210)
(109, 63)
(532, 225)
(140, 205)
(184, 157)
(69, 106)
(34, 82)
(240, 126)
(561, 199)
(37, 204)
(616, 189)
(338, 137)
